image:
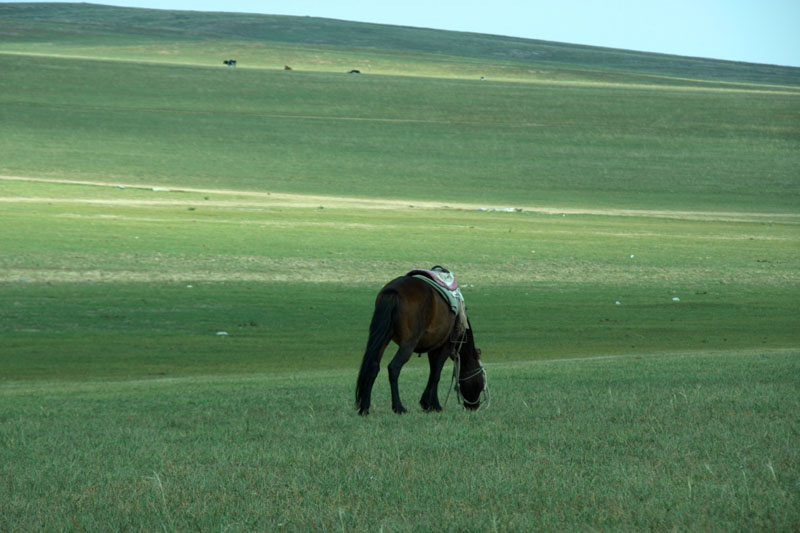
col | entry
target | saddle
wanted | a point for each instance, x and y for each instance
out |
(444, 282)
(440, 275)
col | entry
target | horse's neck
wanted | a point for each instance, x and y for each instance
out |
(468, 354)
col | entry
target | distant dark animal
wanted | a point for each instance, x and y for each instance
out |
(287, 67)
(354, 71)
(230, 62)
(411, 313)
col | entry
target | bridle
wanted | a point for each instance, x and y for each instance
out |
(484, 395)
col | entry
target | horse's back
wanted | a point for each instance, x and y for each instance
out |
(414, 294)
(423, 318)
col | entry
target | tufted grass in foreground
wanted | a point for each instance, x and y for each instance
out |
(703, 440)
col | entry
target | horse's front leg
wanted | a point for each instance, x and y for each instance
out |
(430, 398)
(401, 358)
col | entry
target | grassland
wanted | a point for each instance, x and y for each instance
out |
(638, 316)
(703, 441)
(413, 138)
(529, 275)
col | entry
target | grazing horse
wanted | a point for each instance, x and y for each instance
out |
(411, 313)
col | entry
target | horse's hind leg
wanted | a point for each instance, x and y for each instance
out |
(401, 358)
(430, 398)
(372, 372)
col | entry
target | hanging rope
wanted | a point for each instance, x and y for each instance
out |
(484, 396)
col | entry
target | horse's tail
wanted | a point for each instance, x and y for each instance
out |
(381, 330)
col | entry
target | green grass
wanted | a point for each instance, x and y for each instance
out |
(413, 138)
(155, 275)
(123, 408)
(668, 185)
(697, 442)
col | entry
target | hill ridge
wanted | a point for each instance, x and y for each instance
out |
(70, 22)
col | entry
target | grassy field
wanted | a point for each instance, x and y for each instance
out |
(413, 138)
(191, 264)
(700, 441)
(124, 408)
(189, 256)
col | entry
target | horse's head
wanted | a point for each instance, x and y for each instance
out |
(472, 379)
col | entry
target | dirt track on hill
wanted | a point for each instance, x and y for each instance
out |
(254, 199)
(175, 267)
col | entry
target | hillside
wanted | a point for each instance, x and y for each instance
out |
(136, 96)
(42, 26)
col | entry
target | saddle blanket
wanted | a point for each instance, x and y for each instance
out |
(440, 275)
(444, 282)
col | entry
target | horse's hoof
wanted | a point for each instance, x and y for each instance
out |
(399, 410)
(363, 412)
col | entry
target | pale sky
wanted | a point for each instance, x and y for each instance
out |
(757, 31)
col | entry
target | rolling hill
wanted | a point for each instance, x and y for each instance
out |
(79, 25)
(141, 96)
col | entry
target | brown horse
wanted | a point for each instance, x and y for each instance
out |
(411, 313)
